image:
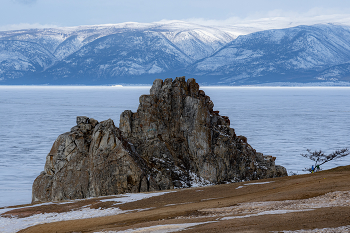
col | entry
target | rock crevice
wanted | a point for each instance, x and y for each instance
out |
(174, 140)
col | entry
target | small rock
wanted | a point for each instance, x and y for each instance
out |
(82, 120)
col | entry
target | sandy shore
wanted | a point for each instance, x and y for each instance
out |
(318, 202)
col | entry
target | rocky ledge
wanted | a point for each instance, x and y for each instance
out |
(174, 140)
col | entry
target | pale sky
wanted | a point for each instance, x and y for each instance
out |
(20, 14)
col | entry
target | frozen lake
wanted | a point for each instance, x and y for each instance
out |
(282, 122)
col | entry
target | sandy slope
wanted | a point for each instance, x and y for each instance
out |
(313, 201)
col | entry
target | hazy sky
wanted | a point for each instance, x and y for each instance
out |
(16, 14)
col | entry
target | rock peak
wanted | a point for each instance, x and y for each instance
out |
(174, 140)
(190, 87)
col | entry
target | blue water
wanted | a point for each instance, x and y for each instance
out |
(282, 122)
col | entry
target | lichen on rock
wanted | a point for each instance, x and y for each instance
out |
(174, 140)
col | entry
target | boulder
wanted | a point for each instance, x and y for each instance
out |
(174, 140)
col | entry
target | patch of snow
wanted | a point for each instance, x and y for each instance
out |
(344, 229)
(159, 228)
(267, 182)
(197, 181)
(104, 66)
(132, 197)
(184, 203)
(277, 35)
(155, 69)
(11, 225)
(210, 199)
(251, 209)
(265, 213)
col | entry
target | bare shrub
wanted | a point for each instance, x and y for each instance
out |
(319, 157)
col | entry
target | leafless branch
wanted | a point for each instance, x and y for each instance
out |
(321, 158)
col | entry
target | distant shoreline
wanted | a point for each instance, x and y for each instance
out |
(301, 85)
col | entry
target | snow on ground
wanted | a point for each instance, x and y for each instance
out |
(243, 210)
(159, 228)
(323, 230)
(251, 209)
(264, 213)
(10, 225)
(332, 199)
(254, 184)
(132, 197)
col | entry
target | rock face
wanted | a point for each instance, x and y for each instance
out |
(174, 140)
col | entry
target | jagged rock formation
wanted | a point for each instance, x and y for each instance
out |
(91, 160)
(174, 140)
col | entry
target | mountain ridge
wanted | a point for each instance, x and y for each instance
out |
(138, 53)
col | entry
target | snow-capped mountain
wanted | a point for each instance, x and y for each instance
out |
(101, 54)
(138, 53)
(301, 54)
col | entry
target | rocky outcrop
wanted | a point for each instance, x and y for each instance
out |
(91, 160)
(174, 140)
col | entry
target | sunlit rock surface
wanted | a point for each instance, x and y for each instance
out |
(174, 140)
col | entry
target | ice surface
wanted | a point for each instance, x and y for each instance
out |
(32, 119)
(282, 122)
(285, 121)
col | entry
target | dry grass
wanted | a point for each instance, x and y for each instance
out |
(325, 195)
